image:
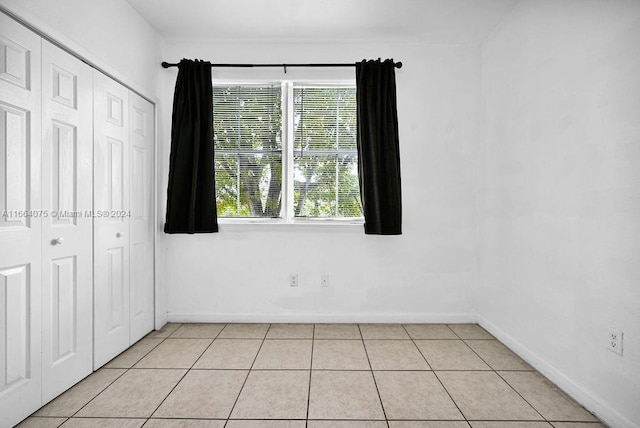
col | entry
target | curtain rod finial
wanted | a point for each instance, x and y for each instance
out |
(165, 64)
(399, 64)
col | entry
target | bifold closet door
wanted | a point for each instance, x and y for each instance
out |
(20, 222)
(67, 177)
(111, 222)
(141, 123)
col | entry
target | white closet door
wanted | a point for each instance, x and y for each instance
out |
(141, 123)
(67, 280)
(20, 222)
(111, 224)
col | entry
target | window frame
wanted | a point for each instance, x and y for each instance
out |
(287, 132)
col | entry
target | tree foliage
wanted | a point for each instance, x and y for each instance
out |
(326, 180)
(247, 135)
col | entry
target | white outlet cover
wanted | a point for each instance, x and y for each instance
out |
(293, 280)
(615, 341)
(324, 280)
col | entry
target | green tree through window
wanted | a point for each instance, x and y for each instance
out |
(247, 122)
(325, 156)
(249, 150)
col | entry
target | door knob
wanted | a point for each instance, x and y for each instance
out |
(119, 235)
(57, 241)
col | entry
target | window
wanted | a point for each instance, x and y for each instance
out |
(286, 151)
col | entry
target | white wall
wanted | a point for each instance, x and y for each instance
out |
(110, 34)
(560, 197)
(428, 273)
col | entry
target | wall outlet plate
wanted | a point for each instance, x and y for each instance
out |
(293, 280)
(324, 280)
(615, 341)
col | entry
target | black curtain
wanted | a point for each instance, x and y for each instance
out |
(191, 195)
(378, 147)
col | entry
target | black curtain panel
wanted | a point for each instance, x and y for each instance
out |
(378, 147)
(191, 195)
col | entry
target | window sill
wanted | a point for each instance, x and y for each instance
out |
(227, 224)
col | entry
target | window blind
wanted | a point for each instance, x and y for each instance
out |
(325, 153)
(247, 121)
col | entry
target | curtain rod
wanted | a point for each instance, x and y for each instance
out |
(167, 65)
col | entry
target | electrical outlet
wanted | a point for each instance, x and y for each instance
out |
(615, 341)
(324, 280)
(293, 280)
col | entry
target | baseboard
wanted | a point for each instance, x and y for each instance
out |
(322, 318)
(592, 403)
(161, 320)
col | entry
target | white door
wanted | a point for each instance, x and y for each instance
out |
(141, 123)
(111, 221)
(67, 281)
(20, 222)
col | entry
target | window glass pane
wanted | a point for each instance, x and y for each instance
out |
(325, 155)
(348, 187)
(326, 186)
(247, 124)
(248, 185)
(324, 118)
(247, 117)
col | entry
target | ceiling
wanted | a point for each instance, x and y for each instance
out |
(430, 21)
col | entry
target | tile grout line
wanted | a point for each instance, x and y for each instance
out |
(104, 417)
(466, 342)
(561, 392)
(126, 369)
(185, 373)
(248, 373)
(503, 379)
(435, 374)
(320, 370)
(138, 360)
(118, 377)
(375, 383)
(313, 340)
(544, 419)
(326, 338)
(520, 395)
(141, 358)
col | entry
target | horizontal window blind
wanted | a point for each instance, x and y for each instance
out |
(247, 122)
(325, 153)
(249, 151)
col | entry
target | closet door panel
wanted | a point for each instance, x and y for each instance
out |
(20, 222)
(67, 280)
(111, 221)
(141, 122)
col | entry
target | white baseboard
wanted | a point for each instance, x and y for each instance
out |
(161, 320)
(591, 402)
(322, 318)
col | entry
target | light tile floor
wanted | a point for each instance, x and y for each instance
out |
(315, 376)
